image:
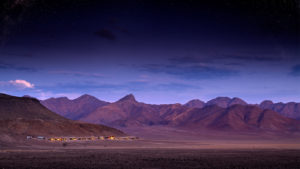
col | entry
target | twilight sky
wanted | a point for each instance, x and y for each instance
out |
(161, 51)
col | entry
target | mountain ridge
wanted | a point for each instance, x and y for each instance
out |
(128, 112)
(76, 108)
(291, 110)
(237, 117)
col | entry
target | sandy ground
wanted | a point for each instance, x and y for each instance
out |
(153, 154)
(168, 149)
(155, 144)
(151, 158)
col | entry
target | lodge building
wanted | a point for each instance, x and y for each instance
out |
(91, 138)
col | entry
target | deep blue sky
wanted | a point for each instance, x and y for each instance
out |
(161, 51)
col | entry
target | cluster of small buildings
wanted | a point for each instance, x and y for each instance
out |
(92, 138)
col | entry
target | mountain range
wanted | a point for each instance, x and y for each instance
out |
(21, 116)
(221, 114)
(290, 109)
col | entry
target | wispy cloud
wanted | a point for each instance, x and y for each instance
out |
(258, 58)
(188, 59)
(229, 57)
(205, 67)
(16, 54)
(175, 87)
(132, 86)
(189, 71)
(19, 84)
(22, 83)
(77, 73)
(8, 66)
(86, 86)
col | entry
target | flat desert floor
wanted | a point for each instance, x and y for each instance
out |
(153, 154)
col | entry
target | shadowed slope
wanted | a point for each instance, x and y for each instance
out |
(126, 111)
(196, 103)
(225, 102)
(74, 109)
(290, 109)
(26, 108)
(22, 116)
(237, 118)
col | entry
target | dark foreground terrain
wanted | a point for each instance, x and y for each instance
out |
(150, 158)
